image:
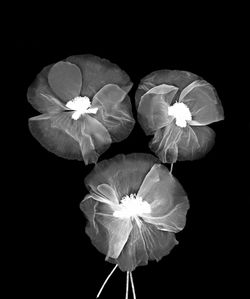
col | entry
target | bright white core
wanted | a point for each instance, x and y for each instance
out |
(181, 113)
(80, 105)
(132, 206)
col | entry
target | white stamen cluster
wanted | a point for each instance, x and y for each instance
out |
(181, 113)
(80, 105)
(132, 206)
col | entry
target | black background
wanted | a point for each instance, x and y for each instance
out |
(56, 254)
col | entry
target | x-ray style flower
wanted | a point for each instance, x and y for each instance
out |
(176, 107)
(134, 208)
(84, 107)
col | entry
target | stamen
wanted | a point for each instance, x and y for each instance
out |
(80, 106)
(132, 206)
(181, 113)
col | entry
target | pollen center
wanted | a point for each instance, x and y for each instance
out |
(181, 113)
(80, 105)
(132, 206)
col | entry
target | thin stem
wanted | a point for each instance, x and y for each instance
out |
(132, 283)
(171, 168)
(106, 280)
(127, 284)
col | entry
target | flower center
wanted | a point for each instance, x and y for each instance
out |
(132, 206)
(80, 105)
(181, 113)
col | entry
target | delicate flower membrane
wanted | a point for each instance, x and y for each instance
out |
(153, 108)
(178, 121)
(71, 125)
(135, 219)
(65, 79)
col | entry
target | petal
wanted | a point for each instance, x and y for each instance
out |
(65, 79)
(145, 243)
(202, 102)
(108, 192)
(149, 181)
(195, 142)
(97, 131)
(153, 111)
(165, 141)
(114, 111)
(173, 221)
(166, 197)
(54, 139)
(118, 233)
(168, 91)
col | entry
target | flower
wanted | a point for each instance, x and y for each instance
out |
(134, 207)
(179, 120)
(83, 109)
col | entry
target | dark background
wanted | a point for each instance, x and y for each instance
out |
(55, 252)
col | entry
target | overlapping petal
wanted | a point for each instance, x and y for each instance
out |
(134, 240)
(172, 142)
(107, 119)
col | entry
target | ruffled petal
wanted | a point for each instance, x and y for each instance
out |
(167, 199)
(201, 99)
(195, 142)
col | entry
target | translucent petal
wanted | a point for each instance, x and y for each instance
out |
(173, 221)
(42, 100)
(195, 142)
(153, 111)
(108, 192)
(149, 181)
(145, 243)
(98, 132)
(55, 140)
(168, 91)
(153, 107)
(118, 231)
(114, 111)
(205, 107)
(166, 197)
(65, 80)
(164, 143)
